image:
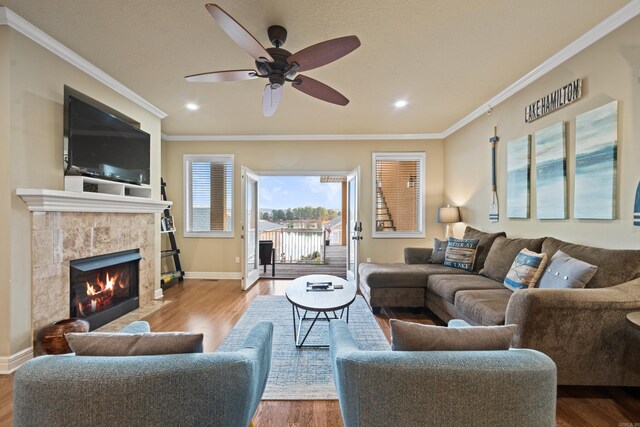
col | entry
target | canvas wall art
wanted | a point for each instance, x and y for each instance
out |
(596, 155)
(518, 184)
(551, 172)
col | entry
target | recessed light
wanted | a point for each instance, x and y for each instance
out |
(400, 104)
(193, 107)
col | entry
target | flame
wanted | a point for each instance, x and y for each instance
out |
(90, 289)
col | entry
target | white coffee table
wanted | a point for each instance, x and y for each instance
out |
(321, 302)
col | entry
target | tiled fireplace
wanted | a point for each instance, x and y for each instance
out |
(104, 287)
(59, 239)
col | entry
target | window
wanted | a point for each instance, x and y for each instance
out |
(398, 195)
(208, 195)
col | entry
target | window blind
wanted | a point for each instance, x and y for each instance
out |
(209, 194)
(399, 195)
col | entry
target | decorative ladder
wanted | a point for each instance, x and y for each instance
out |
(384, 221)
(167, 277)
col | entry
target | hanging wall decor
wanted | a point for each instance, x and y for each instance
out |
(551, 172)
(596, 155)
(636, 208)
(518, 169)
(494, 211)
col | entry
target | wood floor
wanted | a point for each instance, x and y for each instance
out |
(213, 307)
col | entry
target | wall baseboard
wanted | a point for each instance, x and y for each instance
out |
(13, 362)
(232, 275)
(158, 294)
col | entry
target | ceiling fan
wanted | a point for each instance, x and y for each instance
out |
(279, 65)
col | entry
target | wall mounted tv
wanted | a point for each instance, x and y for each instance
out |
(103, 143)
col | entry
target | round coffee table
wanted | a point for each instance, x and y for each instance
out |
(317, 293)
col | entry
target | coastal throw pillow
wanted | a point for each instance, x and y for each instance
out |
(564, 271)
(406, 336)
(439, 250)
(461, 253)
(525, 270)
(144, 344)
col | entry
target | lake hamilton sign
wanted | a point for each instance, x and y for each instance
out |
(555, 100)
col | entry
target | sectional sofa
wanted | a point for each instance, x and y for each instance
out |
(584, 331)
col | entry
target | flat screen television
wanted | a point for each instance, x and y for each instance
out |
(103, 143)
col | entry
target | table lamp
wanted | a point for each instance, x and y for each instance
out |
(449, 215)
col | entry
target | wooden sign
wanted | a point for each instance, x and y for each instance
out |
(555, 100)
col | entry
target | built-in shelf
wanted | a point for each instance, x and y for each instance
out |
(87, 184)
(42, 200)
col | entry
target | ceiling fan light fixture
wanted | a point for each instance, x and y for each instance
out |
(191, 106)
(401, 103)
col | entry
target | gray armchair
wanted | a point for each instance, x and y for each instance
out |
(441, 388)
(202, 389)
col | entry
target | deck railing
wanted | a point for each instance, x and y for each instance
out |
(296, 246)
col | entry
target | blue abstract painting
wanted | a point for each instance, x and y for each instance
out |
(518, 169)
(596, 155)
(551, 173)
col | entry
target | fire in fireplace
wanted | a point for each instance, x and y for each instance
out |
(104, 287)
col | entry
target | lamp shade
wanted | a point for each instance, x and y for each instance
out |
(449, 215)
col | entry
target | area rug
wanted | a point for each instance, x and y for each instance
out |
(302, 373)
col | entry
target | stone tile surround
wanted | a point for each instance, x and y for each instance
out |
(59, 237)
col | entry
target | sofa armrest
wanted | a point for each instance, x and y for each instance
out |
(257, 346)
(583, 330)
(417, 255)
(138, 327)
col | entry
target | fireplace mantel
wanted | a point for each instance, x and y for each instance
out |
(42, 200)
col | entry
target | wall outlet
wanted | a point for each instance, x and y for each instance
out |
(368, 259)
(237, 260)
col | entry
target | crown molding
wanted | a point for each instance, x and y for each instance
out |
(613, 22)
(21, 25)
(304, 137)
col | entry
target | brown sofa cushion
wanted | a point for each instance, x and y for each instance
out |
(401, 275)
(483, 307)
(407, 336)
(503, 252)
(485, 241)
(615, 266)
(143, 344)
(446, 285)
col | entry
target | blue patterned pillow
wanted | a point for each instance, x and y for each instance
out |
(461, 253)
(525, 270)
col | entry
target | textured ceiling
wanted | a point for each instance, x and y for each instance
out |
(446, 57)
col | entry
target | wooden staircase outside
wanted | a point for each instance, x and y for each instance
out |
(384, 221)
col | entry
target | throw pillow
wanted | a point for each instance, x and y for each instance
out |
(407, 336)
(525, 271)
(144, 344)
(460, 253)
(564, 271)
(439, 250)
(503, 252)
(484, 245)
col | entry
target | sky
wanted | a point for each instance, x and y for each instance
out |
(282, 192)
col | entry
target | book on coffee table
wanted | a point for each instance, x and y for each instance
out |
(319, 286)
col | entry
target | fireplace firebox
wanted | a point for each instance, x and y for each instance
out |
(104, 287)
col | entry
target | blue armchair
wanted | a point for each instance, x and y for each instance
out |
(441, 388)
(202, 389)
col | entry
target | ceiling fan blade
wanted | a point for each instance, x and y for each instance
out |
(222, 76)
(270, 100)
(238, 33)
(323, 53)
(319, 90)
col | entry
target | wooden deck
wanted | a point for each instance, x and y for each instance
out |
(335, 265)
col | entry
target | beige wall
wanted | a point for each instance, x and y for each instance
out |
(5, 194)
(37, 79)
(218, 255)
(611, 71)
